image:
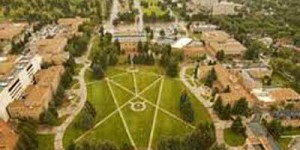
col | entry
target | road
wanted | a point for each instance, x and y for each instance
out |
(60, 130)
(140, 23)
(113, 15)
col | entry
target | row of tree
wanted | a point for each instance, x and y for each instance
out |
(50, 10)
(202, 138)
(87, 119)
(92, 145)
(185, 108)
(240, 108)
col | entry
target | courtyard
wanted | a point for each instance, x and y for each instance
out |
(135, 106)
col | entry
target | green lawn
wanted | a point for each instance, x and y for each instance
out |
(46, 142)
(233, 139)
(139, 123)
(172, 90)
(292, 131)
(153, 8)
(284, 143)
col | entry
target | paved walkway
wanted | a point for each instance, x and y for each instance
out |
(60, 130)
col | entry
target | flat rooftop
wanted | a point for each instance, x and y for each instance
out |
(51, 46)
(8, 30)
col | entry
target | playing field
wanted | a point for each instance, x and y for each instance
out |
(135, 107)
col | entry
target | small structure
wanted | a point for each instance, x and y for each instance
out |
(8, 138)
(182, 42)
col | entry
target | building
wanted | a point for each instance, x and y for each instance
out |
(206, 4)
(52, 50)
(279, 96)
(182, 42)
(12, 33)
(252, 78)
(129, 43)
(32, 104)
(36, 98)
(8, 138)
(225, 8)
(199, 27)
(227, 83)
(194, 50)
(16, 74)
(216, 41)
(71, 24)
(50, 77)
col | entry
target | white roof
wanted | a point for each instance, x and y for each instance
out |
(262, 95)
(181, 43)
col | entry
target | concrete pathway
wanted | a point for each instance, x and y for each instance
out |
(121, 114)
(155, 114)
(60, 130)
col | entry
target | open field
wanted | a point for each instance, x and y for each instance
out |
(137, 108)
(233, 139)
(45, 142)
(153, 8)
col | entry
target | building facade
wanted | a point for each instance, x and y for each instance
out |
(16, 74)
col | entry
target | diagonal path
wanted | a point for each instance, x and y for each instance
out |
(135, 85)
(148, 101)
(103, 120)
(121, 114)
(155, 114)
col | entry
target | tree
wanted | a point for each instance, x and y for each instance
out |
(296, 39)
(218, 105)
(127, 147)
(218, 147)
(107, 146)
(201, 139)
(162, 33)
(27, 132)
(237, 126)
(172, 69)
(220, 55)
(118, 46)
(98, 72)
(169, 143)
(211, 77)
(185, 107)
(48, 117)
(240, 107)
(225, 113)
(275, 128)
(140, 47)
